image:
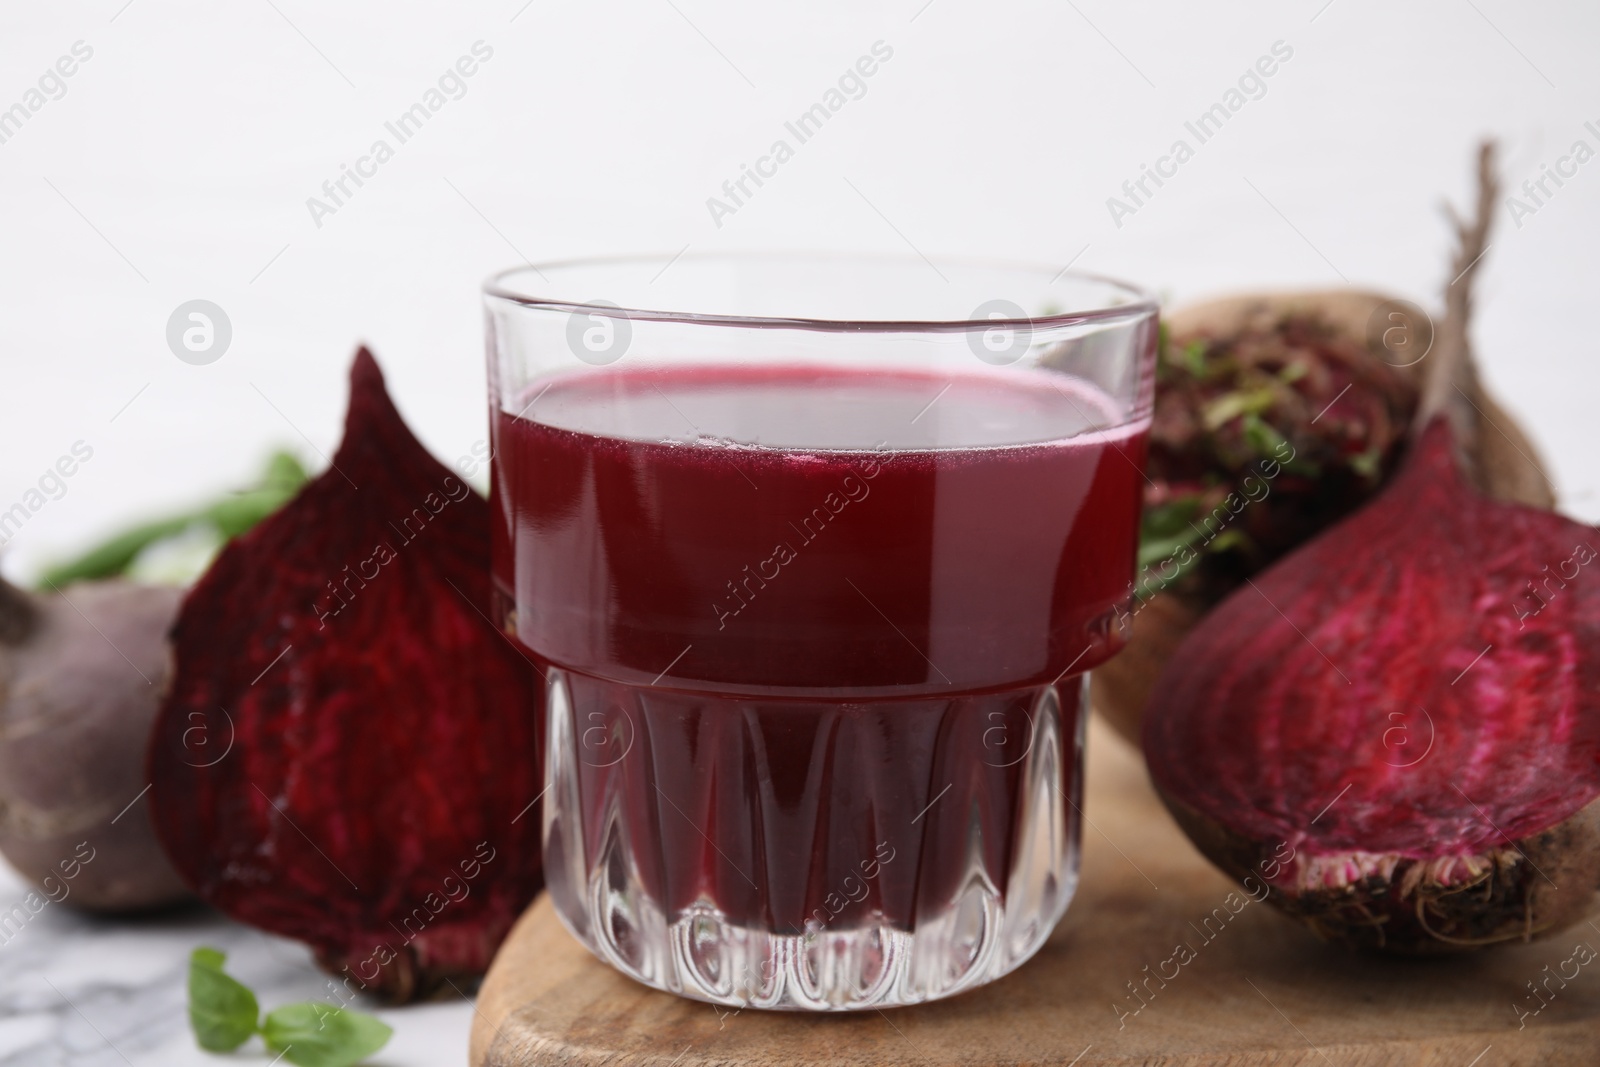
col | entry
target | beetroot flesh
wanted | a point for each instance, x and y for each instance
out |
(349, 751)
(1390, 731)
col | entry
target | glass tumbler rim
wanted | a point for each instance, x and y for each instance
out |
(520, 286)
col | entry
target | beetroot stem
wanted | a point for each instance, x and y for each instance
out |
(1451, 386)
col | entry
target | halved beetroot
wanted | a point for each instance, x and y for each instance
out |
(1396, 729)
(350, 750)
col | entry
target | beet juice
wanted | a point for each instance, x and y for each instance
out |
(812, 639)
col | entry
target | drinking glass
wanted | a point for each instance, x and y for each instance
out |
(813, 554)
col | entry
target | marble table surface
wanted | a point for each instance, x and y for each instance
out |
(80, 991)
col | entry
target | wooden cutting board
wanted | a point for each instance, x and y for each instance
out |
(1261, 990)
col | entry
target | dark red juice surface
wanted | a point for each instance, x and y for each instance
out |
(793, 605)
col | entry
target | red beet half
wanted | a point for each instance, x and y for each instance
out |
(1397, 727)
(349, 751)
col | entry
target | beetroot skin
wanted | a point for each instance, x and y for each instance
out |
(349, 751)
(1397, 727)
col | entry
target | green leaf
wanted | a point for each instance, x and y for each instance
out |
(1150, 583)
(1159, 551)
(321, 1035)
(1229, 406)
(1194, 358)
(1367, 463)
(222, 1012)
(1230, 538)
(232, 515)
(1268, 443)
(1293, 372)
(1262, 436)
(111, 557)
(1164, 520)
(284, 471)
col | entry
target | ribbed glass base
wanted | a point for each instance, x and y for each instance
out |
(705, 882)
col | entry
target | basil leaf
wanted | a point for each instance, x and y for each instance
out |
(222, 1012)
(321, 1035)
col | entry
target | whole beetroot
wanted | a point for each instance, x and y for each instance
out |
(81, 676)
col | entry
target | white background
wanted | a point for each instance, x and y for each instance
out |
(179, 162)
(194, 136)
